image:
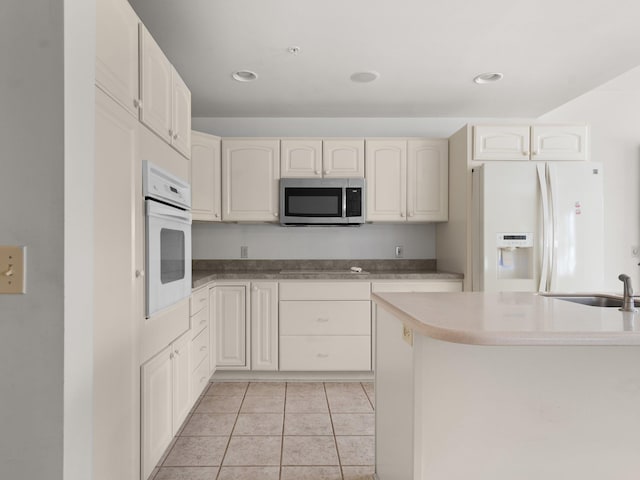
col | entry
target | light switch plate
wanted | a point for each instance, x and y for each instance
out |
(12, 269)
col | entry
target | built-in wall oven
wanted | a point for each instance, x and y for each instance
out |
(168, 238)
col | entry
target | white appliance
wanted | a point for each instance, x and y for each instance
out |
(168, 238)
(538, 227)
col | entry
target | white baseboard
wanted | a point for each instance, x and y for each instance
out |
(261, 376)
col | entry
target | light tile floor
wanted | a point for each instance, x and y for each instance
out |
(275, 431)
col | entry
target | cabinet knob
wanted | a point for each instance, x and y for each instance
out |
(255, 289)
(177, 352)
(137, 103)
(535, 152)
(525, 153)
(326, 172)
(275, 214)
(411, 214)
(402, 214)
(203, 348)
(139, 273)
(170, 133)
(203, 321)
(175, 136)
(215, 215)
(171, 355)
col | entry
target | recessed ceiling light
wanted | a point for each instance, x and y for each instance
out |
(244, 76)
(364, 77)
(488, 77)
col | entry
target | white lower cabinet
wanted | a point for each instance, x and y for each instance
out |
(325, 326)
(229, 306)
(166, 395)
(264, 326)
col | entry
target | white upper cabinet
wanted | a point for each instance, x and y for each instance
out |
(501, 142)
(524, 142)
(559, 142)
(407, 180)
(250, 179)
(343, 158)
(117, 52)
(301, 158)
(181, 110)
(428, 181)
(165, 99)
(386, 180)
(205, 177)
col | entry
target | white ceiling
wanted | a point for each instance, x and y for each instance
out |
(426, 51)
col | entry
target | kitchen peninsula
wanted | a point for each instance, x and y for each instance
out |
(505, 385)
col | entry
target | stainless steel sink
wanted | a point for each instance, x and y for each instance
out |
(593, 300)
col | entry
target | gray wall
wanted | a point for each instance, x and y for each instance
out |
(33, 159)
(223, 241)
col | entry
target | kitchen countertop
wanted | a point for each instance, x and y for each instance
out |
(205, 271)
(478, 318)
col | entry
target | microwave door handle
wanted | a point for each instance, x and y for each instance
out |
(344, 203)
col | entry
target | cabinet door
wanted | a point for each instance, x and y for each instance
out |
(509, 142)
(428, 181)
(157, 415)
(117, 52)
(301, 158)
(181, 378)
(250, 175)
(116, 367)
(156, 87)
(205, 177)
(264, 326)
(559, 142)
(343, 158)
(229, 307)
(181, 115)
(386, 180)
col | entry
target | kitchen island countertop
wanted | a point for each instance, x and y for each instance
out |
(479, 318)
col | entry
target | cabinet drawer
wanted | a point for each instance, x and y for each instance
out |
(199, 321)
(325, 353)
(199, 300)
(199, 379)
(199, 348)
(325, 318)
(311, 290)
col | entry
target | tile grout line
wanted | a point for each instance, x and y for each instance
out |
(333, 430)
(232, 429)
(284, 414)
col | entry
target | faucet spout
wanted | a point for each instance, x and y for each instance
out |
(627, 294)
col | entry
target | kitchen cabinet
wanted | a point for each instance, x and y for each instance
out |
(325, 326)
(343, 157)
(312, 157)
(230, 309)
(205, 177)
(200, 346)
(118, 263)
(165, 400)
(165, 99)
(523, 142)
(117, 52)
(264, 326)
(407, 180)
(250, 179)
(412, 286)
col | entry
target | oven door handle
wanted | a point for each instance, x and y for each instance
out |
(160, 210)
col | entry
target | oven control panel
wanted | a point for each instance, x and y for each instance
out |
(161, 185)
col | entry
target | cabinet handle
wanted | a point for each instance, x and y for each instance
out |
(203, 348)
(402, 214)
(139, 273)
(322, 320)
(170, 133)
(326, 172)
(323, 355)
(137, 103)
(525, 153)
(203, 321)
(203, 300)
(215, 215)
(175, 136)
(177, 352)
(317, 172)
(535, 152)
(275, 215)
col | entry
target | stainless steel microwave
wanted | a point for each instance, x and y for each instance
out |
(322, 201)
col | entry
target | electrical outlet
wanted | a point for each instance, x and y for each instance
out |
(635, 251)
(244, 251)
(399, 251)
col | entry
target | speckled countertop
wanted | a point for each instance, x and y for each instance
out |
(205, 271)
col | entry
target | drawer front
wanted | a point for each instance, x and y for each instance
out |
(423, 286)
(199, 321)
(199, 349)
(199, 300)
(199, 379)
(311, 290)
(325, 318)
(325, 353)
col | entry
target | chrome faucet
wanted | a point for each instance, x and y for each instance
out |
(627, 294)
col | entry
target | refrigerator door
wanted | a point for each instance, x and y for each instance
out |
(508, 209)
(577, 206)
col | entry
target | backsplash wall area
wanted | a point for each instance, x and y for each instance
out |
(264, 241)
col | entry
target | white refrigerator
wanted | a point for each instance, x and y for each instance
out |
(538, 227)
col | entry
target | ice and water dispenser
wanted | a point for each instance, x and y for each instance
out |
(515, 256)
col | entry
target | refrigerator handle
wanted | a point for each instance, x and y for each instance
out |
(544, 195)
(552, 179)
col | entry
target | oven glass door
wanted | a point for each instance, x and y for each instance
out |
(168, 255)
(313, 202)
